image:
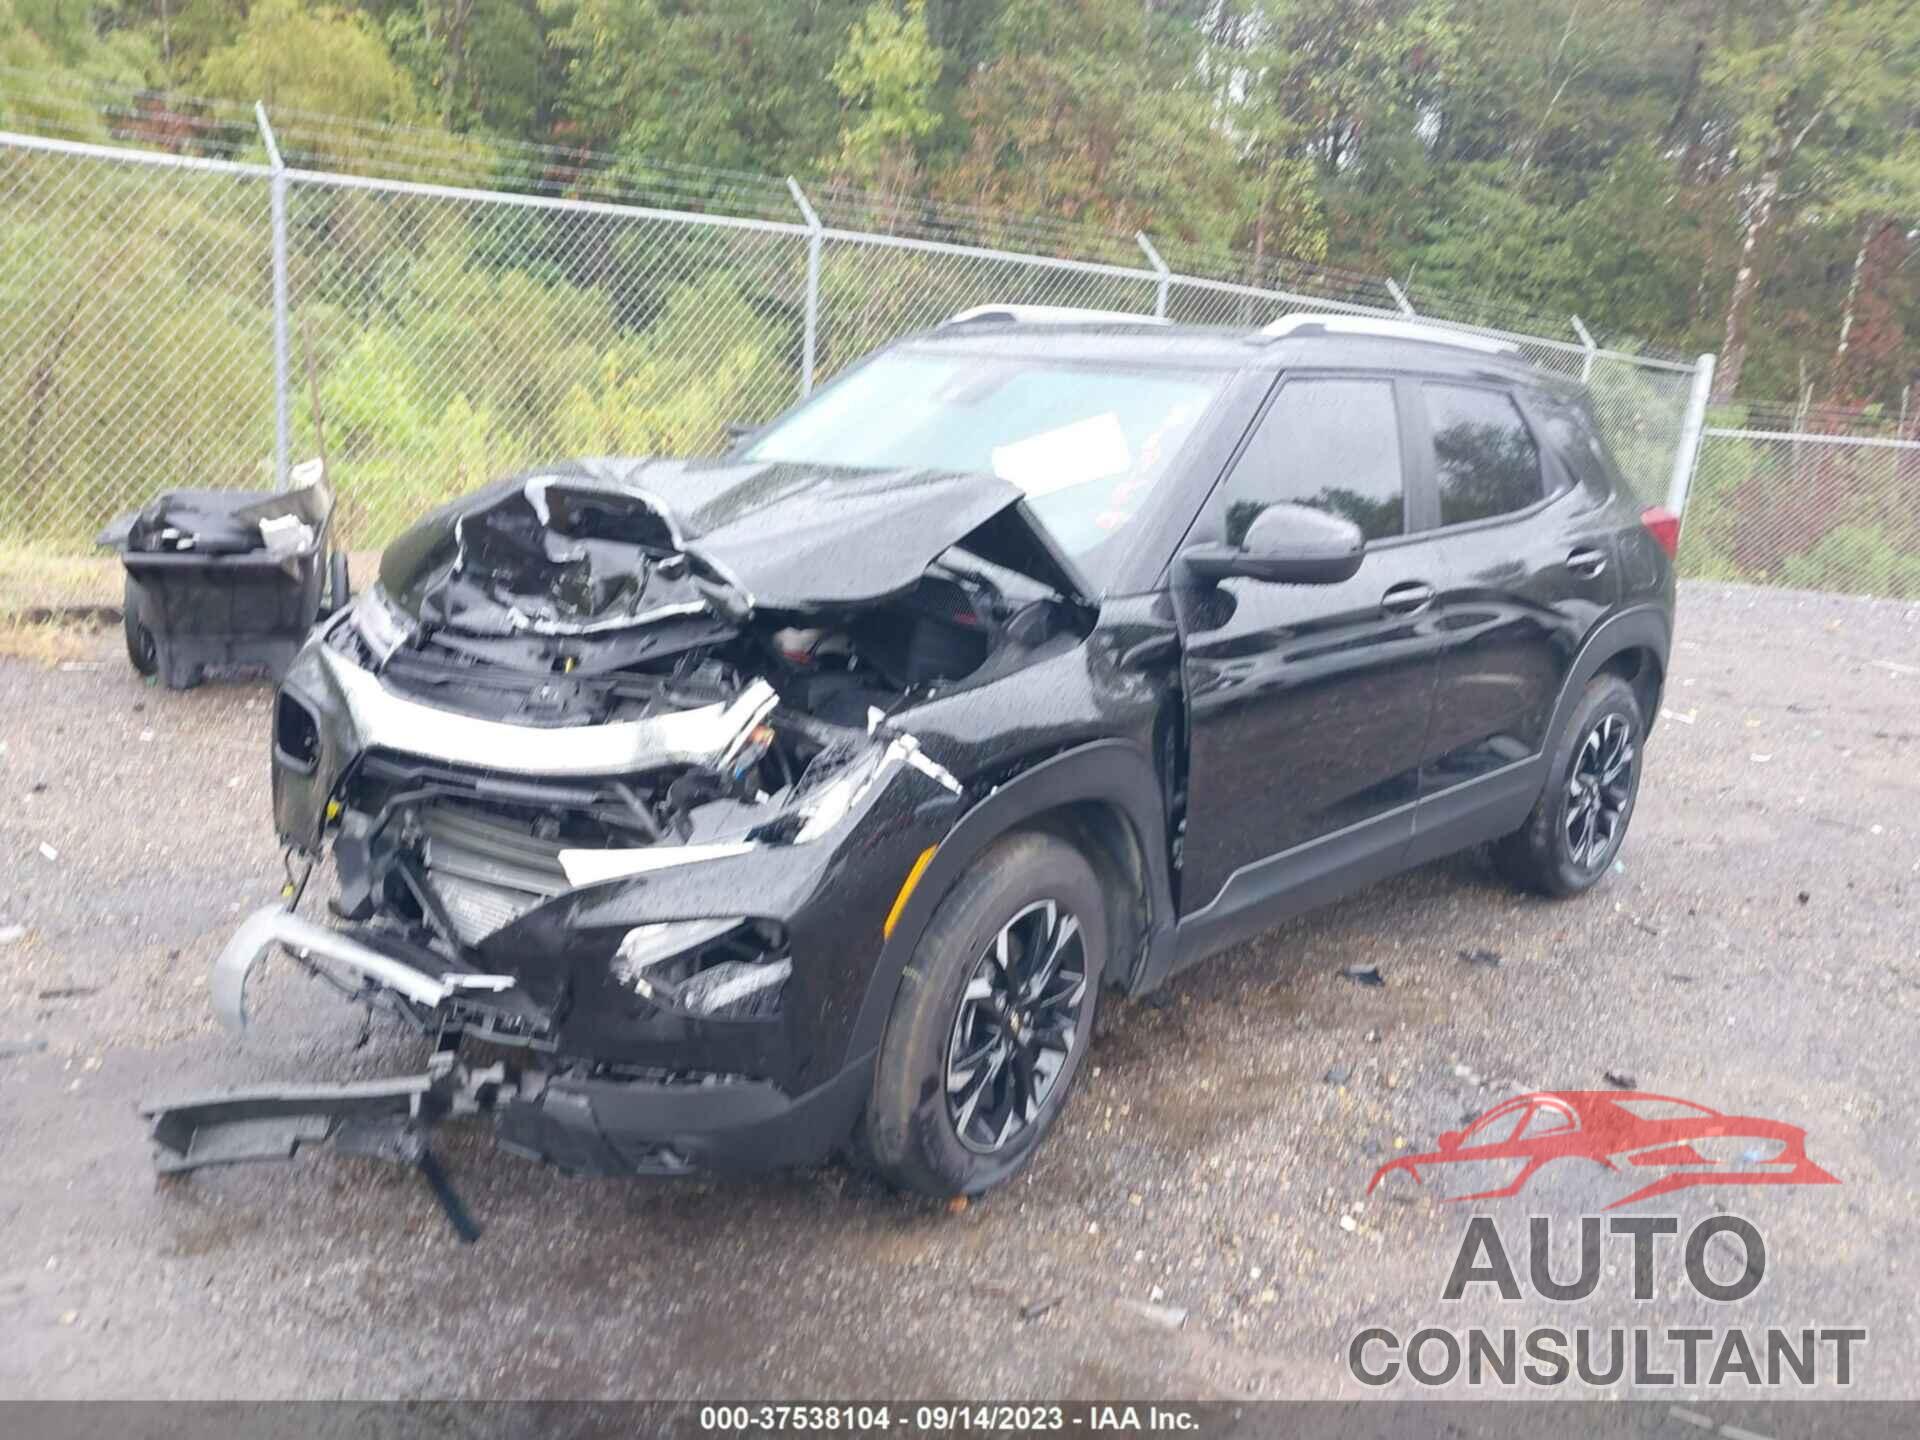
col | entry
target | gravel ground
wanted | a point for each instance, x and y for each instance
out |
(1756, 952)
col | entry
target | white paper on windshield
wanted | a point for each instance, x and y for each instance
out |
(1053, 460)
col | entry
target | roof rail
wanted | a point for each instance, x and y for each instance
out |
(1050, 315)
(1390, 329)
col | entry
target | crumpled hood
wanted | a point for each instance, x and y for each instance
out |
(587, 546)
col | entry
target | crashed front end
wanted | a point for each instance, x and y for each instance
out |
(598, 786)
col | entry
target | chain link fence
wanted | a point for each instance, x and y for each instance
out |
(1814, 500)
(436, 335)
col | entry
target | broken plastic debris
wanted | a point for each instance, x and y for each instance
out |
(1685, 717)
(48, 851)
(1762, 759)
(1621, 1081)
(1363, 975)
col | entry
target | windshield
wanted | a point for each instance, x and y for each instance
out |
(1086, 442)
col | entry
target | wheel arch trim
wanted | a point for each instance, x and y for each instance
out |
(1112, 773)
(1642, 628)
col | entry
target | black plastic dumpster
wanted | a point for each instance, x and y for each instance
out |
(227, 577)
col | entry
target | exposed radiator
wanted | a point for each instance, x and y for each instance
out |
(486, 871)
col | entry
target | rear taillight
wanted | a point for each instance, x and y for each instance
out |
(1664, 526)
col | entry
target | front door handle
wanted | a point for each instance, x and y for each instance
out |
(1588, 562)
(1407, 599)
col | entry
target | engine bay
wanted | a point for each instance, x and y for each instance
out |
(563, 624)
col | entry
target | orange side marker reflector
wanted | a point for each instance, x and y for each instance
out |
(906, 891)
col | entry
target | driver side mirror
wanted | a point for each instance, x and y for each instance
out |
(1289, 544)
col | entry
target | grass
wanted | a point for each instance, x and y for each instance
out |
(48, 642)
(38, 583)
(56, 606)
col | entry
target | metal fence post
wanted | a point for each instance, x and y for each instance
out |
(1691, 428)
(810, 335)
(277, 193)
(1400, 298)
(1586, 365)
(1159, 268)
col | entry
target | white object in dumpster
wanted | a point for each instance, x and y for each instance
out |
(286, 535)
(307, 472)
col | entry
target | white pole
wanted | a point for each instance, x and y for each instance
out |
(1586, 364)
(277, 200)
(1691, 428)
(811, 333)
(1159, 268)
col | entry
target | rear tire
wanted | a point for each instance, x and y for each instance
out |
(992, 1020)
(142, 649)
(1580, 820)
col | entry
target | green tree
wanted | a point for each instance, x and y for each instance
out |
(1095, 111)
(738, 84)
(1814, 95)
(323, 60)
(886, 78)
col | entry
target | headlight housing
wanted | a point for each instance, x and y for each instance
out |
(715, 969)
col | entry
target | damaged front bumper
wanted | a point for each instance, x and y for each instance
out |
(579, 1123)
(275, 926)
(581, 1117)
(633, 1057)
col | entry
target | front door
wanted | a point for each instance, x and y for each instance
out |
(1307, 704)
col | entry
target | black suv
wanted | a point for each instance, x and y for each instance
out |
(805, 799)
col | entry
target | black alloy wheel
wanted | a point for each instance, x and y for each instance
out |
(992, 1021)
(1579, 820)
(1016, 1026)
(1600, 791)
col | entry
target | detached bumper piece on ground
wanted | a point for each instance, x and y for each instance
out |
(220, 578)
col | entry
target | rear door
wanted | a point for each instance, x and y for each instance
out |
(1308, 704)
(1529, 560)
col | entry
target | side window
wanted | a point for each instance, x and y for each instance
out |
(1485, 461)
(1331, 444)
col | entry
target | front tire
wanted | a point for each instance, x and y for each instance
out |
(1580, 819)
(992, 1021)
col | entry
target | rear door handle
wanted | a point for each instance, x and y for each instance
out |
(1407, 599)
(1588, 562)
